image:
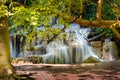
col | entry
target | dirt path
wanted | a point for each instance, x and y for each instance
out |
(104, 71)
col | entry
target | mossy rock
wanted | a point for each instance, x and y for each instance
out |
(91, 60)
(34, 59)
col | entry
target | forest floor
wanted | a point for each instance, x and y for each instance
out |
(91, 71)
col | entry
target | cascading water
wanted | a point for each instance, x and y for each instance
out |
(57, 53)
(12, 50)
(15, 47)
(76, 51)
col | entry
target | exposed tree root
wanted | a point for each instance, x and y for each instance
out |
(7, 73)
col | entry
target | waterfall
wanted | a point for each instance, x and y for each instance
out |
(57, 53)
(73, 49)
(76, 50)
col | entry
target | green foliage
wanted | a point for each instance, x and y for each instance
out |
(116, 8)
(89, 10)
(109, 33)
(3, 11)
(107, 12)
(37, 13)
(44, 34)
(25, 18)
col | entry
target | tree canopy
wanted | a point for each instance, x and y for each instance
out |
(26, 16)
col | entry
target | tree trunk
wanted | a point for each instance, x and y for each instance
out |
(6, 70)
(98, 15)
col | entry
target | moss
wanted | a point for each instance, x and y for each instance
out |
(32, 48)
(91, 60)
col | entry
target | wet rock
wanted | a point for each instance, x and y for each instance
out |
(97, 47)
(110, 51)
(107, 50)
(91, 60)
(34, 59)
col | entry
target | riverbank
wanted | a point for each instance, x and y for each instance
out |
(91, 71)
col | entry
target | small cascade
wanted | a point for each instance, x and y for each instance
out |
(12, 47)
(57, 53)
(83, 48)
(77, 49)
(16, 46)
(12, 50)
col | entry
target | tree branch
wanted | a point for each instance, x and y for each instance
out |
(97, 23)
(117, 34)
(100, 23)
(56, 35)
(96, 37)
(87, 23)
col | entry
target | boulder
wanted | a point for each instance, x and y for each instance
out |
(91, 60)
(97, 47)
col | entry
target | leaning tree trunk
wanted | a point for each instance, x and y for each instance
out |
(6, 70)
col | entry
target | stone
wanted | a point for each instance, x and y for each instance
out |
(107, 50)
(97, 47)
(34, 59)
(110, 51)
(91, 60)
